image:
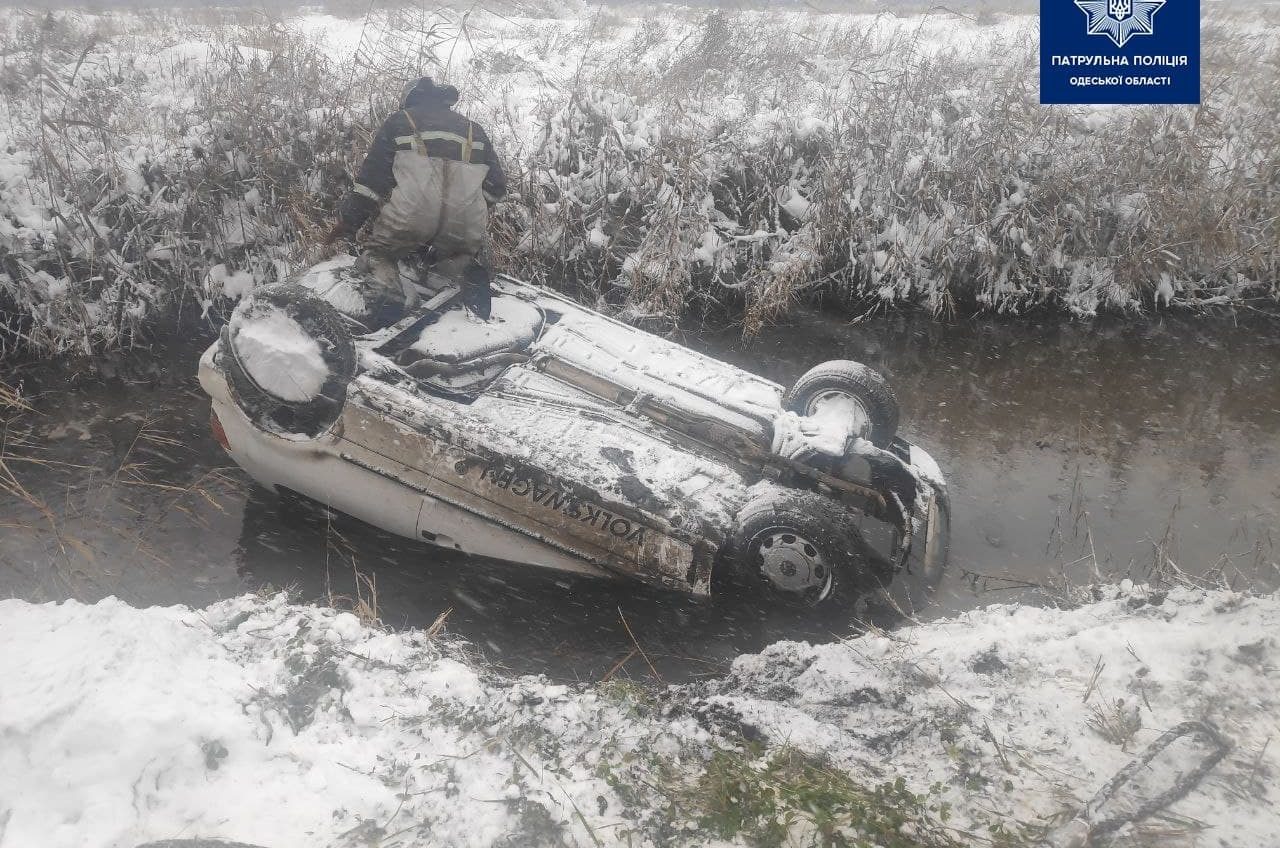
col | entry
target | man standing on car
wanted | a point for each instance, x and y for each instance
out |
(428, 181)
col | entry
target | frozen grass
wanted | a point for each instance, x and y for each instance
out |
(13, 445)
(11, 400)
(144, 158)
(671, 164)
(882, 161)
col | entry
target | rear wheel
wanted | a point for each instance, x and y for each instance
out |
(844, 387)
(308, 412)
(803, 547)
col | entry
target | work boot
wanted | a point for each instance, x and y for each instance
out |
(477, 294)
(384, 291)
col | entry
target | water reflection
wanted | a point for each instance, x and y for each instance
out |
(1144, 424)
(527, 619)
(1057, 440)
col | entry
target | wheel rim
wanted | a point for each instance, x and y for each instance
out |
(794, 565)
(838, 404)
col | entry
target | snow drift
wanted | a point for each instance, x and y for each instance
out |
(285, 725)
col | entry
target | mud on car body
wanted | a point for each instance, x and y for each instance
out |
(554, 436)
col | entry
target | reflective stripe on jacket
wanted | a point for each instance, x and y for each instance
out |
(428, 179)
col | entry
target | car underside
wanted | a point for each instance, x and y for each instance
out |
(555, 436)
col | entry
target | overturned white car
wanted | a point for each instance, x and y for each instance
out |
(555, 436)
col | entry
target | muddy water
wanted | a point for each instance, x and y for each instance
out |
(1069, 449)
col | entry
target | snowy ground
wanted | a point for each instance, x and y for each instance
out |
(288, 725)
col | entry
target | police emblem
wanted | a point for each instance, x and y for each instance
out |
(1120, 20)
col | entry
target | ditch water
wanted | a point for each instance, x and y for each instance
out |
(1067, 447)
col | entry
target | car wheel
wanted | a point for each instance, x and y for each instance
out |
(311, 416)
(804, 548)
(842, 382)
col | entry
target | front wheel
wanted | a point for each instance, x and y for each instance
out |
(804, 548)
(842, 387)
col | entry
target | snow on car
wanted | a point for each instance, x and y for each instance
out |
(555, 436)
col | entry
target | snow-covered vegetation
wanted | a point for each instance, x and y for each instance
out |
(671, 162)
(285, 725)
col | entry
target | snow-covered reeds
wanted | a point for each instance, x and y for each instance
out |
(749, 160)
(135, 177)
(672, 164)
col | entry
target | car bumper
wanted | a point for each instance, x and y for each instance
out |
(930, 539)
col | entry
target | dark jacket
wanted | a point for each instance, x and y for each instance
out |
(440, 133)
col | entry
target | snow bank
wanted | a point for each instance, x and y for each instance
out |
(290, 725)
(1023, 711)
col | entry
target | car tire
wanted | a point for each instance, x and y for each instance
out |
(803, 547)
(325, 324)
(853, 379)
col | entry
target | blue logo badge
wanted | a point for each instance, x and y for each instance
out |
(1120, 20)
(1119, 51)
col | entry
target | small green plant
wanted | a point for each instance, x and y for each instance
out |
(792, 798)
(636, 698)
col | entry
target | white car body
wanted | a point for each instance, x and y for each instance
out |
(597, 449)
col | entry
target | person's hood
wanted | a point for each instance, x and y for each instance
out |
(424, 92)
